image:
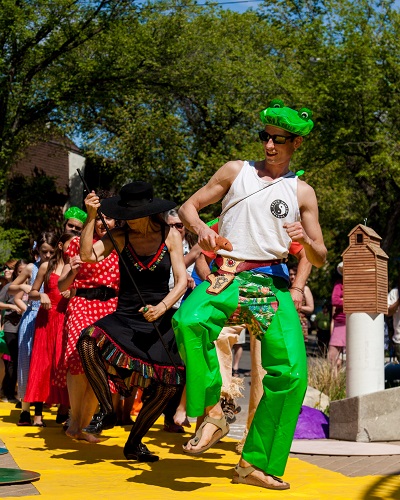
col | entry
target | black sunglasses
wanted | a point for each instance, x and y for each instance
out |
(178, 225)
(276, 139)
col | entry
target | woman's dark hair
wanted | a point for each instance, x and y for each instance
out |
(158, 219)
(190, 237)
(18, 264)
(105, 193)
(58, 255)
(48, 237)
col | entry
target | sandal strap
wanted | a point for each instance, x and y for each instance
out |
(280, 480)
(244, 471)
(220, 422)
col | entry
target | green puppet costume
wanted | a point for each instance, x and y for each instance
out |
(259, 298)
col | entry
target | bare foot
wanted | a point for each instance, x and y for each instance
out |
(262, 477)
(83, 436)
(207, 434)
(180, 417)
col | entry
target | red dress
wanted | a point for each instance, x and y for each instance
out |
(82, 312)
(47, 349)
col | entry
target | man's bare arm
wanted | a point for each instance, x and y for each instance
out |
(303, 271)
(308, 231)
(213, 191)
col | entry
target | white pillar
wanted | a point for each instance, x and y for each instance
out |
(365, 355)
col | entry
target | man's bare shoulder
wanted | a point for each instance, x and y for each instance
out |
(229, 170)
(233, 166)
(305, 189)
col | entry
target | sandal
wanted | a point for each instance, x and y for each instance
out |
(221, 431)
(243, 476)
(39, 424)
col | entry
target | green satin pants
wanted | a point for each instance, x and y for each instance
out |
(265, 305)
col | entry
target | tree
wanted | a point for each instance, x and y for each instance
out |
(40, 69)
(34, 204)
(198, 76)
(347, 69)
(172, 90)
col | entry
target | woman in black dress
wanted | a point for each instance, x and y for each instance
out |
(124, 348)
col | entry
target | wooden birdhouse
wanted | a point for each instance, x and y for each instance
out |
(365, 279)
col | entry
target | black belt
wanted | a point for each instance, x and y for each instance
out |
(102, 293)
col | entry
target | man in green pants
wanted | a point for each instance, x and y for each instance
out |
(265, 207)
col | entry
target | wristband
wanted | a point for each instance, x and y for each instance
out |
(298, 289)
(166, 308)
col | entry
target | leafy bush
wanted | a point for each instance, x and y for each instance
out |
(13, 242)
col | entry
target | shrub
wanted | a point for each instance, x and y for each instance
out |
(322, 377)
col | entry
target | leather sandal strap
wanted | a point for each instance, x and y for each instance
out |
(276, 478)
(244, 471)
(220, 422)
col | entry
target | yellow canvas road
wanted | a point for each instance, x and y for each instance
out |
(71, 469)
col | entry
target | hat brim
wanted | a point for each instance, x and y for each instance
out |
(111, 207)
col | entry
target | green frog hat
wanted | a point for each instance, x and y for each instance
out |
(295, 122)
(75, 213)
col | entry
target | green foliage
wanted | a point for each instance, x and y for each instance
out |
(34, 204)
(13, 243)
(40, 68)
(170, 91)
(324, 379)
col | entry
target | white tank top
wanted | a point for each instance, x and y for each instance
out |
(254, 225)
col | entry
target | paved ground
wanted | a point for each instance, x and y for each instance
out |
(15, 490)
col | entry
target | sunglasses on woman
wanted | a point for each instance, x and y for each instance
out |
(276, 139)
(178, 225)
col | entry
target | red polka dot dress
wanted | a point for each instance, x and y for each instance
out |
(81, 311)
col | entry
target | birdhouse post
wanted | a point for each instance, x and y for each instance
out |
(365, 286)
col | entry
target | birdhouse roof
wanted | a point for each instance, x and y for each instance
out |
(377, 250)
(373, 247)
(367, 230)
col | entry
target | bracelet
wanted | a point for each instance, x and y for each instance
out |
(298, 289)
(166, 308)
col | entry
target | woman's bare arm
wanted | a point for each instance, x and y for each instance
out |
(174, 244)
(20, 282)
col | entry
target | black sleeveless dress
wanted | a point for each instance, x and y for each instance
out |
(130, 345)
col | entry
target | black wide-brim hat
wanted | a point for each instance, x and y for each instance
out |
(135, 200)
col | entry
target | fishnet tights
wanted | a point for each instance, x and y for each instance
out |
(95, 371)
(155, 398)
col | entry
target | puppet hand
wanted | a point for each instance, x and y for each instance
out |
(223, 244)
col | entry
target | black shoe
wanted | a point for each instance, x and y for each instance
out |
(24, 418)
(97, 417)
(61, 418)
(140, 453)
(65, 425)
(18, 405)
(10, 399)
(101, 422)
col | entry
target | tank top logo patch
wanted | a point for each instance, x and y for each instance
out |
(279, 209)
